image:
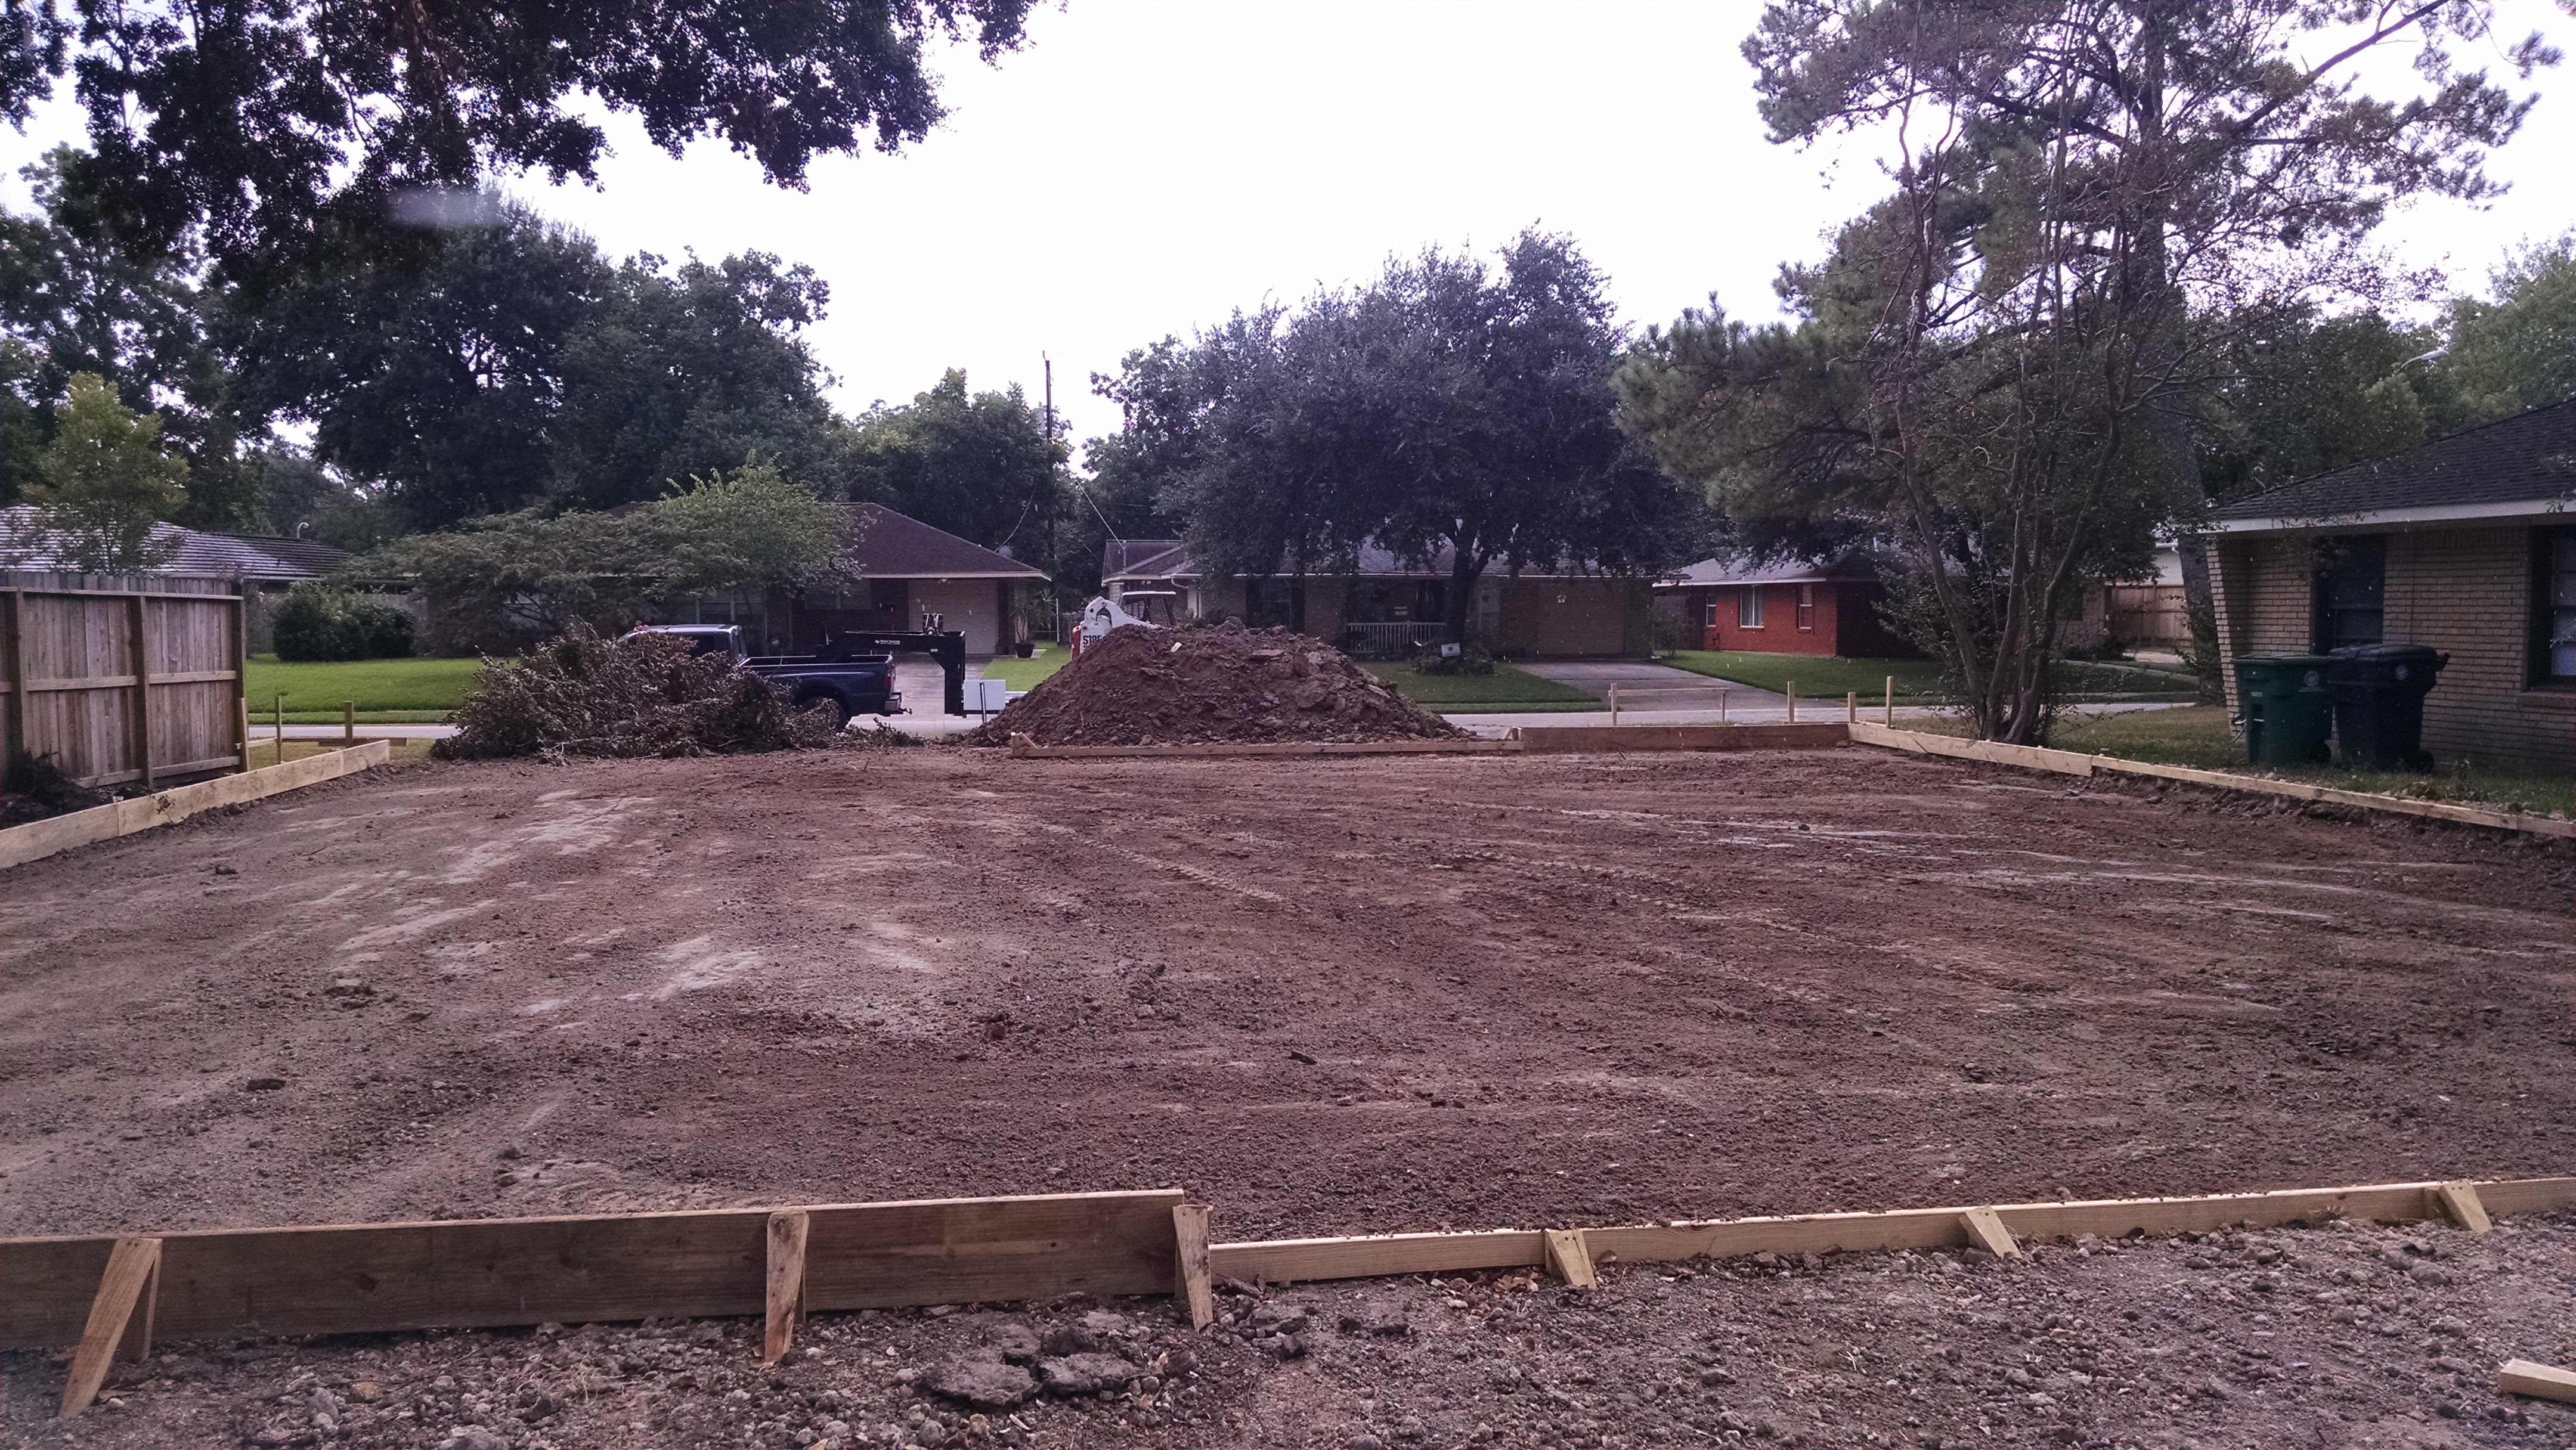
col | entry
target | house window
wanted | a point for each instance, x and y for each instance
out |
(2553, 624)
(1708, 612)
(1806, 606)
(1748, 607)
(2352, 584)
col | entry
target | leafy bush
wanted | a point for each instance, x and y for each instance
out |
(322, 621)
(584, 694)
(1471, 660)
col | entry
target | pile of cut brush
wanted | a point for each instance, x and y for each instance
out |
(1210, 683)
(585, 694)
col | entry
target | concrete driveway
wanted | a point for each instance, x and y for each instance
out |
(1655, 688)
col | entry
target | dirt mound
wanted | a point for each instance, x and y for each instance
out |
(1211, 683)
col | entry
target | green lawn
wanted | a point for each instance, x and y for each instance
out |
(1817, 677)
(2197, 735)
(1505, 691)
(1024, 674)
(1918, 682)
(387, 692)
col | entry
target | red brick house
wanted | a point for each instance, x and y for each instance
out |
(1794, 607)
(2467, 544)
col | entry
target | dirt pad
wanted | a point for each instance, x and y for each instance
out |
(2342, 1335)
(1329, 996)
(1214, 683)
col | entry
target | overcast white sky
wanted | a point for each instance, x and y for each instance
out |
(1146, 165)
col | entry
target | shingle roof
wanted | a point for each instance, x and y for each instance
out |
(2526, 463)
(193, 551)
(1142, 560)
(892, 546)
(1855, 565)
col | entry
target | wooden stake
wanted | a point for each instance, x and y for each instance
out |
(1987, 1232)
(242, 702)
(1792, 692)
(133, 1278)
(1891, 701)
(1614, 704)
(1570, 1258)
(2460, 1203)
(1190, 1229)
(278, 726)
(1721, 704)
(348, 723)
(2540, 1381)
(142, 689)
(1851, 707)
(786, 1283)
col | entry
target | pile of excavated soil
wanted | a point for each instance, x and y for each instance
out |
(1220, 683)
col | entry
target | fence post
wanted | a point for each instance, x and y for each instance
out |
(12, 622)
(1891, 701)
(142, 689)
(348, 723)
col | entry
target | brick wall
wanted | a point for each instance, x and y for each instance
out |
(1779, 634)
(2466, 592)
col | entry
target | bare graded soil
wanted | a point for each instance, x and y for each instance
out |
(1548, 990)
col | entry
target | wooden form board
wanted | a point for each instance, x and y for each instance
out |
(39, 839)
(1602, 739)
(1023, 748)
(1917, 1228)
(2540, 1381)
(2069, 762)
(483, 1273)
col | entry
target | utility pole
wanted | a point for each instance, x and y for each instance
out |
(1055, 563)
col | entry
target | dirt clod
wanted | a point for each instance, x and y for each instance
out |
(1217, 683)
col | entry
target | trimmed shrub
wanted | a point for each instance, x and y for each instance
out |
(582, 693)
(323, 621)
(1472, 660)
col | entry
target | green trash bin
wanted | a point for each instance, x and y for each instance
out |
(2288, 711)
(2379, 692)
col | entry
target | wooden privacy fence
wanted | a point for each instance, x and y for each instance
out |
(123, 678)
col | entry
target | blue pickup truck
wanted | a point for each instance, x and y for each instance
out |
(853, 683)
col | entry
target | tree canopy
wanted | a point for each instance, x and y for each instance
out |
(1452, 407)
(103, 483)
(1997, 368)
(485, 369)
(980, 465)
(507, 579)
(264, 126)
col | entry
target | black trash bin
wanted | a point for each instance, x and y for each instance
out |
(2288, 711)
(2379, 692)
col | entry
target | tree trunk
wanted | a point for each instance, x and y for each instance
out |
(2200, 609)
(1464, 570)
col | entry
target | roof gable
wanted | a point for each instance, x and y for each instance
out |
(893, 546)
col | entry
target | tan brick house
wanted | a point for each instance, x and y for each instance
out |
(2467, 544)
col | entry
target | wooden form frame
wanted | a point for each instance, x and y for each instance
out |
(2070, 762)
(1288, 1260)
(489, 1273)
(39, 839)
(781, 1263)
(1024, 748)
